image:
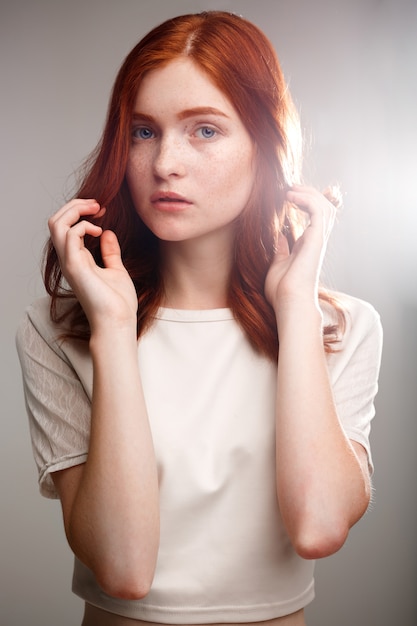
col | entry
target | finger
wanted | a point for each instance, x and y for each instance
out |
(69, 215)
(283, 250)
(73, 245)
(74, 238)
(309, 198)
(77, 206)
(110, 250)
(306, 198)
(321, 211)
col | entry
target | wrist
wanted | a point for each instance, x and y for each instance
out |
(113, 337)
(299, 312)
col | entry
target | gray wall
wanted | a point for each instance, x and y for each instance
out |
(352, 68)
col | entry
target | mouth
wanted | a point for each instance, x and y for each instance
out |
(169, 197)
(169, 202)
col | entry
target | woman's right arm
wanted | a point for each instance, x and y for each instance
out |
(111, 503)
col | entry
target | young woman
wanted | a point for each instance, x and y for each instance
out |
(198, 403)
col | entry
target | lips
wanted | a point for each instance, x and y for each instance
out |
(169, 202)
(168, 196)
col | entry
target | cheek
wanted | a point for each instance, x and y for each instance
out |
(135, 174)
(241, 176)
(229, 186)
(136, 182)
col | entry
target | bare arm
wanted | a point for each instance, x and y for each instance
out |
(110, 504)
(323, 482)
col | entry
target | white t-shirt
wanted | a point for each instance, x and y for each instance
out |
(224, 553)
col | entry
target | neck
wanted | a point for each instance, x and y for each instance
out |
(195, 276)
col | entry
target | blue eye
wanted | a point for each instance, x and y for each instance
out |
(142, 132)
(206, 132)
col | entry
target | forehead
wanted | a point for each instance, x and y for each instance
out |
(180, 84)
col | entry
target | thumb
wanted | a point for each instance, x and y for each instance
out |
(282, 251)
(110, 250)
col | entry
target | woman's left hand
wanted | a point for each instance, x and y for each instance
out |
(293, 276)
(322, 479)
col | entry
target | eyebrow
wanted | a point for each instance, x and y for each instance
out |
(185, 114)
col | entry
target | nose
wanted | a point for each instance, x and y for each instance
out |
(169, 158)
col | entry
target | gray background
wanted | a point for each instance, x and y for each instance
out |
(351, 65)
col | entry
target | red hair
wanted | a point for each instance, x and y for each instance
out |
(242, 63)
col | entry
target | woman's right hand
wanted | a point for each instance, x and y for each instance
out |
(107, 294)
(110, 503)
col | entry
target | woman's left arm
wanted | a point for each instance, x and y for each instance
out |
(323, 481)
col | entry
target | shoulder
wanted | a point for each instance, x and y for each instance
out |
(44, 349)
(39, 308)
(361, 317)
(39, 338)
(363, 336)
(359, 310)
(37, 320)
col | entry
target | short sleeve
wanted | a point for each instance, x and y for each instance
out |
(57, 404)
(354, 371)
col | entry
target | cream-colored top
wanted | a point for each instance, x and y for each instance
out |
(224, 554)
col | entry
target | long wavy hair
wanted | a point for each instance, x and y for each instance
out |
(242, 63)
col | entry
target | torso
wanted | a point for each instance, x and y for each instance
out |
(94, 616)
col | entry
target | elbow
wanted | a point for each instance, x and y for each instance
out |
(318, 534)
(125, 586)
(318, 543)
(125, 578)
(127, 591)
(126, 574)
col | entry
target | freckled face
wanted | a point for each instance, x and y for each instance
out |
(191, 164)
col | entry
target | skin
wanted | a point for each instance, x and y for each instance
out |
(206, 156)
(110, 504)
